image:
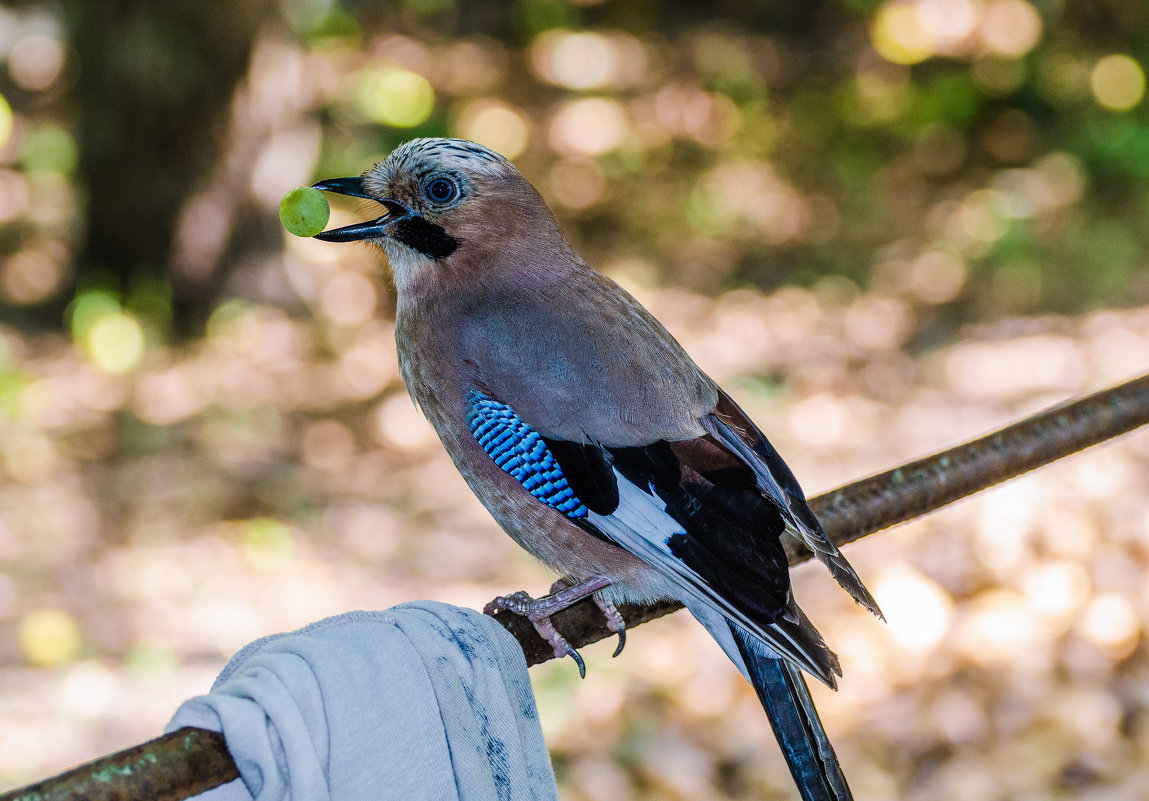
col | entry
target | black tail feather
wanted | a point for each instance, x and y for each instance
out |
(788, 704)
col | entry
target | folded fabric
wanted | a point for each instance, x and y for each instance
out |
(422, 701)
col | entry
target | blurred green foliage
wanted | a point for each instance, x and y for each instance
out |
(974, 157)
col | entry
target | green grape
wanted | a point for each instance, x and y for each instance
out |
(304, 211)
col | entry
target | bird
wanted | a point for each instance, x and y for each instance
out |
(590, 435)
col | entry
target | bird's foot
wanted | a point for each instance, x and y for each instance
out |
(614, 621)
(540, 610)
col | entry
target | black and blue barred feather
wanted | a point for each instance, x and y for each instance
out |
(522, 452)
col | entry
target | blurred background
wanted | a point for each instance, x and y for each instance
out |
(885, 225)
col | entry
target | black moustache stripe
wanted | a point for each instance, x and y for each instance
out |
(419, 234)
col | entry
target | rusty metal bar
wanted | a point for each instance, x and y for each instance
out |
(917, 488)
(169, 768)
(190, 761)
(863, 507)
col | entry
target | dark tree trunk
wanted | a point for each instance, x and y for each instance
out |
(156, 82)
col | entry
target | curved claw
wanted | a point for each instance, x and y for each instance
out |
(621, 643)
(563, 594)
(614, 621)
(539, 613)
(573, 654)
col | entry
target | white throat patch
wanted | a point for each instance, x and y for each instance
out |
(405, 262)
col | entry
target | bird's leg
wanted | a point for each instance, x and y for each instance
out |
(614, 621)
(539, 611)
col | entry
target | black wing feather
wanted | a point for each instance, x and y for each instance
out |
(730, 426)
(588, 470)
(732, 536)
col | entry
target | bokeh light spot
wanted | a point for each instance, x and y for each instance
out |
(400, 424)
(49, 148)
(31, 276)
(916, 607)
(589, 127)
(998, 626)
(348, 298)
(937, 276)
(1010, 27)
(979, 219)
(170, 396)
(879, 323)
(1110, 622)
(1056, 589)
(1118, 82)
(573, 60)
(501, 127)
(947, 22)
(87, 309)
(399, 98)
(327, 445)
(115, 342)
(1063, 178)
(898, 35)
(49, 638)
(472, 67)
(35, 62)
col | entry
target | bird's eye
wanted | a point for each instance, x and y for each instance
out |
(442, 190)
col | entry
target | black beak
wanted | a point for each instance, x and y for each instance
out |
(368, 230)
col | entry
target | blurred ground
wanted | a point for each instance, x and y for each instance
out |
(1012, 666)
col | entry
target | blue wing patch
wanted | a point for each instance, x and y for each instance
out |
(520, 451)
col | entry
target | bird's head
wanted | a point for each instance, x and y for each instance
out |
(445, 200)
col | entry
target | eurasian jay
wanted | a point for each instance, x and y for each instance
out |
(590, 435)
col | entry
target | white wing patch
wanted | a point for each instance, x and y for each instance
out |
(642, 526)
